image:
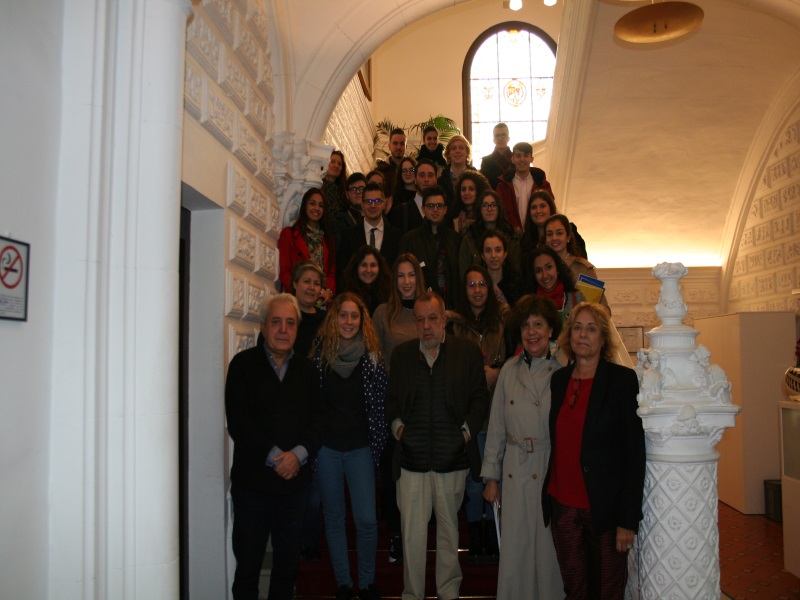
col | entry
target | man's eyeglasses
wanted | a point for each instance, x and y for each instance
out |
(372, 201)
(435, 205)
(410, 171)
(357, 189)
(474, 284)
(489, 205)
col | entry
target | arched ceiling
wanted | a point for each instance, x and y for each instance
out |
(654, 140)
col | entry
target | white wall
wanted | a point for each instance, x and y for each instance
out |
(30, 67)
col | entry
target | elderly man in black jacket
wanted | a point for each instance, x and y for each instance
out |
(435, 405)
(274, 413)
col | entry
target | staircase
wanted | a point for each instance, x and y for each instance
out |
(315, 580)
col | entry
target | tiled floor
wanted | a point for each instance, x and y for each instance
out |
(751, 558)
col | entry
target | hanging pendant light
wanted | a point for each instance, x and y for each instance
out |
(659, 22)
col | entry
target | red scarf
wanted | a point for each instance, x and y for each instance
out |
(556, 294)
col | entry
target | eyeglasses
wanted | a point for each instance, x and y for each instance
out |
(410, 171)
(357, 189)
(489, 205)
(474, 284)
(372, 201)
(501, 135)
(435, 205)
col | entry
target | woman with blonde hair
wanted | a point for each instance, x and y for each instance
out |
(592, 494)
(353, 377)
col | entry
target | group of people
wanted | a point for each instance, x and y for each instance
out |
(431, 341)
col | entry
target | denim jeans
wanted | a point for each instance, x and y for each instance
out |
(476, 506)
(358, 469)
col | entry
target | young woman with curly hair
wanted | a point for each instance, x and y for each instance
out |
(348, 356)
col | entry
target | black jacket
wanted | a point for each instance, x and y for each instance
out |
(466, 394)
(495, 164)
(612, 447)
(263, 412)
(421, 242)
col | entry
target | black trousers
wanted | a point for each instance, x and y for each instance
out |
(256, 517)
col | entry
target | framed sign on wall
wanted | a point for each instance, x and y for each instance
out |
(14, 263)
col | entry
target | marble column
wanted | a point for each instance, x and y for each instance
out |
(685, 405)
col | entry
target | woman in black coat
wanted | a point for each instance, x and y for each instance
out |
(595, 480)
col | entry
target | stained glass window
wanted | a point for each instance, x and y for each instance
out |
(510, 80)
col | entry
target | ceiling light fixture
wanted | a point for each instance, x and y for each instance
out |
(515, 4)
(550, 2)
(659, 22)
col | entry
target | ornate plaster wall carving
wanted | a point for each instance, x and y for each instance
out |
(351, 128)
(632, 294)
(228, 89)
(766, 267)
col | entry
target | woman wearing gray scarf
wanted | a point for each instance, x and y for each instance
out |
(348, 356)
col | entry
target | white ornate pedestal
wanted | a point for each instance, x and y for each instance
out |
(685, 405)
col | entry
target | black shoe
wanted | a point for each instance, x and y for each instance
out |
(311, 554)
(396, 549)
(369, 593)
(345, 593)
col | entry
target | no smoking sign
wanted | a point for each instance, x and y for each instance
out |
(14, 257)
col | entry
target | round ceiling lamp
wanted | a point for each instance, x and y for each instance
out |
(659, 22)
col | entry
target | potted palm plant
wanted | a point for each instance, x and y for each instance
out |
(446, 127)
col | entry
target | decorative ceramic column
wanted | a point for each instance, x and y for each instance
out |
(685, 405)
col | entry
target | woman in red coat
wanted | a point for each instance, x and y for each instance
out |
(309, 239)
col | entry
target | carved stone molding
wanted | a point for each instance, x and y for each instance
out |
(221, 12)
(233, 80)
(203, 45)
(266, 260)
(240, 338)
(238, 189)
(257, 210)
(256, 111)
(625, 296)
(258, 22)
(246, 46)
(256, 292)
(235, 295)
(246, 145)
(297, 168)
(242, 246)
(770, 241)
(266, 166)
(193, 89)
(274, 219)
(351, 127)
(264, 78)
(218, 116)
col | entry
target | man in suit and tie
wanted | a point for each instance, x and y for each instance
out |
(375, 231)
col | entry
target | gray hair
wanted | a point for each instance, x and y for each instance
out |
(279, 298)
